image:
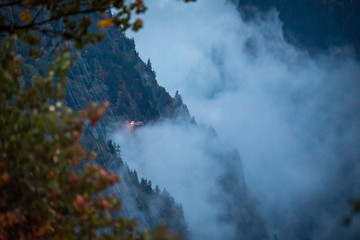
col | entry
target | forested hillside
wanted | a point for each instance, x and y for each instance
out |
(112, 71)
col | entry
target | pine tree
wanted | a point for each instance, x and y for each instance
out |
(148, 64)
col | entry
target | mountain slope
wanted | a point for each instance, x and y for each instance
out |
(319, 27)
(131, 87)
(112, 70)
(88, 83)
(313, 25)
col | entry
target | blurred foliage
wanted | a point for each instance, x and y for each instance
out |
(73, 18)
(43, 194)
(355, 210)
(46, 190)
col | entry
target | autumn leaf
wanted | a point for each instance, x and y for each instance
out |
(137, 24)
(44, 229)
(105, 23)
(92, 156)
(26, 16)
(105, 204)
(4, 178)
(79, 202)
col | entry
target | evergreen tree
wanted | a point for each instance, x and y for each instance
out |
(148, 64)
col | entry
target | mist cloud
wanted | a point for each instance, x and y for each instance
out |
(293, 118)
(184, 159)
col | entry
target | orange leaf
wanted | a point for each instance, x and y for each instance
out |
(26, 16)
(105, 23)
(92, 156)
(4, 178)
(137, 24)
(105, 204)
(44, 229)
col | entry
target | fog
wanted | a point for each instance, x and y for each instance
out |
(293, 118)
(184, 159)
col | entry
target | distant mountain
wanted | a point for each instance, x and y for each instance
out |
(313, 24)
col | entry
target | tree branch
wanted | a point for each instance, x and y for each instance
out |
(11, 28)
(37, 14)
(8, 4)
